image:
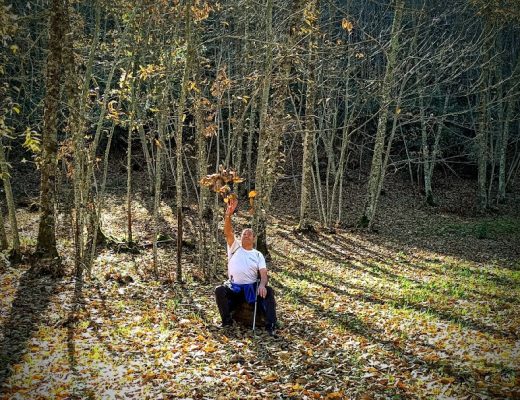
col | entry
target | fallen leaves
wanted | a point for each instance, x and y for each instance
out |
(360, 320)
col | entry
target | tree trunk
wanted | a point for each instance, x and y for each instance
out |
(178, 137)
(504, 136)
(97, 233)
(157, 187)
(46, 245)
(309, 135)
(11, 208)
(157, 204)
(482, 134)
(3, 237)
(259, 218)
(502, 150)
(204, 212)
(376, 171)
(77, 100)
(129, 238)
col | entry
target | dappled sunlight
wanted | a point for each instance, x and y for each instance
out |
(357, 315)
(436, 310)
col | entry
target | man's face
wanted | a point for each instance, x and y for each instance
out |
(248, 239)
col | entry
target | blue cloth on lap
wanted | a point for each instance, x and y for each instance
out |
(249, 290)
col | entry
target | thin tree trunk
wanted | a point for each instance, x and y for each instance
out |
(260, 217)
(178, 137)
(376, 172)
(430, 199)
(3, 237)
(99, 206)
(249, 150)
(386, 156)
(95, 234)
(81, 172)
(504, 137)
(204, 213)
(482, 135)
(309, 138)
(131, 122)
(11, 208)
(46, 245)
(129, 238)
(157, 186)
(146, 152)
(345, 138)
(502, 150)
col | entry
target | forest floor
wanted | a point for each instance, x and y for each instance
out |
(427, 307)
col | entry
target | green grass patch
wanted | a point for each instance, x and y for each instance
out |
(487, 228)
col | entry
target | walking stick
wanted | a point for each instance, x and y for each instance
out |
(256, 303)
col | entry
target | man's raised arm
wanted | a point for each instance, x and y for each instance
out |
(228, 227)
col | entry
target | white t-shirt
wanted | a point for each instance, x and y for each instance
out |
(243, 265)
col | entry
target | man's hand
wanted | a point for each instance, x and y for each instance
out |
(262, 291)
(231, 206)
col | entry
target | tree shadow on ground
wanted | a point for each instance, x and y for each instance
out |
(352, 323)
(355, 248)
(411, 225)
(368, 297)
(27, 310)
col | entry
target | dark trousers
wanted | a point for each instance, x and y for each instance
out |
(227, 301)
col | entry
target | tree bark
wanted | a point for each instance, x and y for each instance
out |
(259, 218)
(178, 136)
(11, 208)
(504, 136)
(3, 237)
(482, 134)
(46, 245)
(376, 171)
(309, 134)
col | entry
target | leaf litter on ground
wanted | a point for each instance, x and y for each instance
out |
(361, 318)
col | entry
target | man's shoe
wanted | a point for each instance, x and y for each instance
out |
(271, 331)
(227, 323)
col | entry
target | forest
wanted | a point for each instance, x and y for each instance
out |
(373, 147)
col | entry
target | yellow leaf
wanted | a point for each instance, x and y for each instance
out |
(334, 395)
(158, 144)
(271, 378)
(398, 111)
(14, 48)
(16, 109)
(447, 380)
(224, 189)
(111, 107)
(209, 348)
(347, 25)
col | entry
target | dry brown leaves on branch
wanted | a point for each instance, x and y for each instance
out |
(219, 182)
